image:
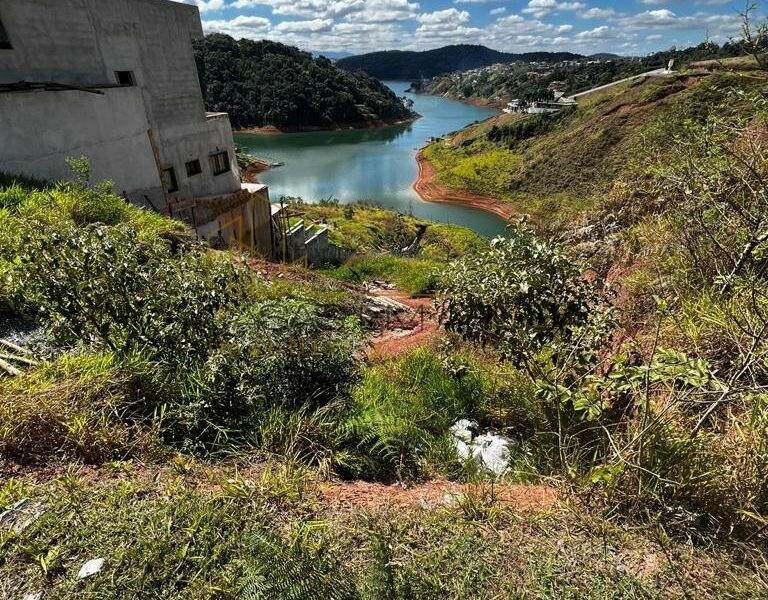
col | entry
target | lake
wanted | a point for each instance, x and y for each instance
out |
(371, 164)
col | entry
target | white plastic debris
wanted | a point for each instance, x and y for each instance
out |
(488, 450)
(92, 567)
(464, 430)
(33, 596)
(493, 451)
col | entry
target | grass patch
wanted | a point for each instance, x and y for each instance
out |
(417, 276)
(77, 407)
(216, 533)
(367, 228)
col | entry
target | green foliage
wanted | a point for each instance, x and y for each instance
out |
(411, 65)
(366, 228)
(521, 295)
(401, 412)
(483, 172)
(300, 569)
(268, 83)
(528, 82)
(416, 276)
(97, 286)
(512, 133)
(274, 357)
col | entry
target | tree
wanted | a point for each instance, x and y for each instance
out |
(755, 36)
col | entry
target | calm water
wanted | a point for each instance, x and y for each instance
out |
(374, 164)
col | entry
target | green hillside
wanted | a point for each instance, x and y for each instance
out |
(553, 166)
(576, 410)
(268, 83)
(411, 65)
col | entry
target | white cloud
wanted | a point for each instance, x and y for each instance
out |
(664, 18)
(366, 25)
(385, 11)
(206, 5)
(598, 13)
(313, 9)
(240, 26)
(542, 8)
(598, 33)
(449, 15)
(313, 26)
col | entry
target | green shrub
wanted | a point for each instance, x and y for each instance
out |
(520, 295)
(96, 285)
(273, 357)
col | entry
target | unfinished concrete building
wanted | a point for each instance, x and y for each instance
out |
(116, 81)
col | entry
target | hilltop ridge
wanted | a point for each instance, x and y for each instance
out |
(405, 65)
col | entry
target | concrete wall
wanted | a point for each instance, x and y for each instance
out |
(39, 130)
(306, 242)
(247, 224)
(83, 43)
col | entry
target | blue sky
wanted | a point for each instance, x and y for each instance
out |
(584, 26)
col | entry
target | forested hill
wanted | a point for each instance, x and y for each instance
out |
(406, 65)
(268, 83)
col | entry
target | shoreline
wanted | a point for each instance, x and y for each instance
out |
(373, 124)
(429, 190)
(479, 102)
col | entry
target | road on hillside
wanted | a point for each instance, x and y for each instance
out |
(654, 73)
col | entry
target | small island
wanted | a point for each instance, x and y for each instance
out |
(268, 87)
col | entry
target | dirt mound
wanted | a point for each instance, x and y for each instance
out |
(402, 332)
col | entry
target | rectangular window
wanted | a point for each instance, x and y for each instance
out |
(5, 41)
(220, 163)
(169, 180)
(125, 78)
(194, 168)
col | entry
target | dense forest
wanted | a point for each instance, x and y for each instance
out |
(268, 83)
(396, 64)
(502, 83)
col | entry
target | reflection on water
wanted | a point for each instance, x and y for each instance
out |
(370, 164)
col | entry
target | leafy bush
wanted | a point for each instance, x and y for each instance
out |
(520, 295)
(273, 357)
(96, 285)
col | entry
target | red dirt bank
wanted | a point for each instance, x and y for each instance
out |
(430, 190)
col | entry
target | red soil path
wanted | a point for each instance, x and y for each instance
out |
(398, 338)
(427, 187)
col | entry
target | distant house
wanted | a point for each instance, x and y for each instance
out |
(116, 81)
(539, 106)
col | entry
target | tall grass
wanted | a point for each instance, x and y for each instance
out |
(80, 407)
